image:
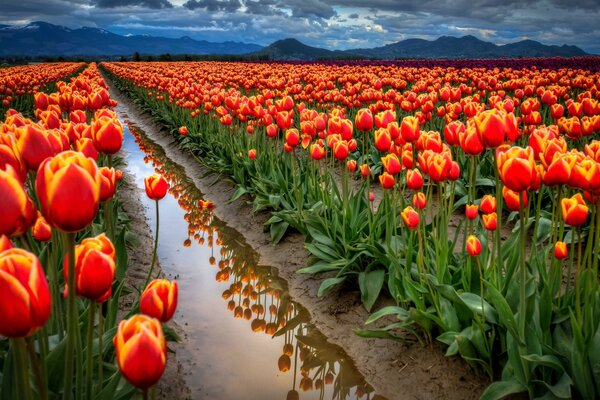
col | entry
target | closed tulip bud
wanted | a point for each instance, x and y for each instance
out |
(386, 180)
(391, 164)
(511, 199)
(95, 268)
(454, 173)
(252, 154)
(371, 197)
(183, 130)
(365, 171)
(41, 230)
(156, 186)
(292, 395)
(272, 130)
(107, 183)
(409, 129)
(473, 246)
(159, 299)
(471, 211)
(107, 134)
(351, 165)
(17, 212)
(490, 221)
(383, 141)
(419, 200)
(340, 150)
(364, 120)
(59, 179)
(488, 204)
(414, 179)
(561, 250)
(24, 294)
(410, 217)
(292, 137)
(141, 350)
(317, 152)
(574, 210)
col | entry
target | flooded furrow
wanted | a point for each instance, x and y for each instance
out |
(245, 337)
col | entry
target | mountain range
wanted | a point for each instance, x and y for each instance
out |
(41, 38)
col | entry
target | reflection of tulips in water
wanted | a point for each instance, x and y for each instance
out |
(256, 295)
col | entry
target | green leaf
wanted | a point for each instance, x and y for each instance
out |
(562, 388)
(238, 193)
(505, 314)
(499, 390)
(328, 283)
(370, 284)
(546, 360)
(389, 310)
(319, 267)
(278, 230)
(8, 391)
(473, 301)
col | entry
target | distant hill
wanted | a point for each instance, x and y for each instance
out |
(293, 49)
(466, 47)
(41, 38)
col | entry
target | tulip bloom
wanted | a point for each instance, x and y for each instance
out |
(34, 145)
(410, 217)
(365, 171)
(141, 350)
(66, 180)
(159, 299)
(517, 168)
(383, 140)
(252, 154)
(473, 246)
(561, 251)
(414, 179)
(386, 180)
(391, 164)
(95, 268)
(511, 199)
(317, 152)
(41, 230)
(107, 183)
(488, 204)
(419, 200)
(364, 120)
(340, 150)
(471, 211)
(409, 129)
(24, 294)
(351, 165)
(5, 243)
(17, 212)
(490, 221)
(183, 130)
(574, 210)
(156, 186)
(107, 134)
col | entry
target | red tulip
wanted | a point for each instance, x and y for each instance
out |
(141, 350)
(511, 199)
(391, 164)
(473, 246)
(419, 200)
(365, 171)
(64, 179)
(409, 129)
(517, 168)
(471, 211)
(574, 210)
(414, 179)
(107, 134)
(561, 250)
(488, 204)
(317, 152)
(24, 294)
(410, 217)
(34, 145)
(156, 186)
(159, 299)
(183, 130)
(490, 221)
(41, 230)
(383, 141)
(252, 154)
(17, 212)
(107, 183)
(340, 150)
(386, 180)
(364, 120)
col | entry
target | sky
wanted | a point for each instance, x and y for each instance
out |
(337, 24)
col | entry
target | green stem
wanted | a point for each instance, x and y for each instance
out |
(522, 268)
(577, 278)
(100, 354)
(37, 371)
(71, 318)
(22, 368)
(154, 250)
(89, 353)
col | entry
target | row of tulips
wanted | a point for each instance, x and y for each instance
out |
(307, 141)
(56, 174)
(254, 293)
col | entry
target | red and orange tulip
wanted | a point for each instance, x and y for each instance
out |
(159, 299)
(156, 186)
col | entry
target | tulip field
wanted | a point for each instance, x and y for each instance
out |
(462, 200)
(466, 195)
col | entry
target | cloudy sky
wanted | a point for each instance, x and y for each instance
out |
(337, 24)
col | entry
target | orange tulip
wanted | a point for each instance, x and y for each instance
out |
(107, 183)
(34, 145)
(410, 217)
(156, 186)
(17, 212)
(159, 299)
(409, 129)
(473, 246)
(574, 210)
(561, 250)
(141, 350)
(9, 155)
(414, 179)
(64, 179)
(365, 171)
(471, 211)
(386, 180)
(252, 154)
(292, 137)
(95, 268)
(317, 152)
(470, 141)
(340, 150)
(511, 199)
(490, 221)
(452, 132)
(419, 200)
(5, 243)
(107, 134)
(517, 168)
(559, 171)
(41, 230)
(391, 164)
(351, 165)
(488, 204)
(383, 141)
(183, 130)
(364, 120)
(24, 294)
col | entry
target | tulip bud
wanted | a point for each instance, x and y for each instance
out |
(419, 200)
(159, 299)
(473, 246)
(471, 211)
(141, 350)
(252, 154)
(183, 130)
(561, 250)
(156, 186)
(391, 164)
(24, 294)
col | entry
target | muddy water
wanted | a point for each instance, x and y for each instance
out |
(245, 337)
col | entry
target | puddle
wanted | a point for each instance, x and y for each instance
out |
(246, 338)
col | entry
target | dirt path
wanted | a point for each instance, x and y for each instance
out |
(395, 371)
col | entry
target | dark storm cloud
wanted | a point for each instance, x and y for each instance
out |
(309, 8)
(153, 4)
(214, 5)
(353, 16)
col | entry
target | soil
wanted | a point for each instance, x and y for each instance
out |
(395, 370)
